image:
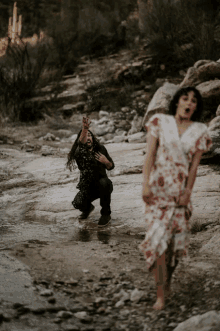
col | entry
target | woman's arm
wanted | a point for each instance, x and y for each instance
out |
(184, 199)
(85, 127)
(152, 144)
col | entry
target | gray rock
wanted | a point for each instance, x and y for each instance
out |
(46, 293)
(65, 133)
(200, 73)
(139, 137)
(49, 137)
(82, 316)
(136, 295)
(72, 138)
(136, 125)
(209, 321)
(212, 246)
(119, 139)
(47, 150)
(103, 113)
(214, 124)
(201, 63)
(103, 120)
(119, 304)
(121, 296)
(125, 109)
(160, 101)
(64, 314)
(218, 111)
(209, 89)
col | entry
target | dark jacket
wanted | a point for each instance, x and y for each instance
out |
(90, 169)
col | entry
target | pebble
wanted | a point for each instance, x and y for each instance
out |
(82, 315)
(119, 304)
(64, 314)
(136, 295)
(46, 293)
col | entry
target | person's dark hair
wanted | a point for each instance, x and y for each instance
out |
(71, 155)
(197, 115)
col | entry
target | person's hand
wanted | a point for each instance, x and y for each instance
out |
(147, 194)
(101, 158)
(86, 123)
(184, 198)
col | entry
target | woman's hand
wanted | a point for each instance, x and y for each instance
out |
(86, 123)
(147, 194)
(101, 158)
(184, 198)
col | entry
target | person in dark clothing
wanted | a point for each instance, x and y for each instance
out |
(92, 160)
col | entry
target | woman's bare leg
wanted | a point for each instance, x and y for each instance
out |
(170, 271)
(160, 278)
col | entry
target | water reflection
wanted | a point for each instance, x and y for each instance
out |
(84, 235)
(104, 237)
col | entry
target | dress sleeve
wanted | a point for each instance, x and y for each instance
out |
(204, 143)
(153, 126)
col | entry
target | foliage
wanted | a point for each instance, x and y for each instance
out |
(180, 33)
(19, 76)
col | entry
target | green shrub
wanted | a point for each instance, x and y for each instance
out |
(180, 33)
(19, 76)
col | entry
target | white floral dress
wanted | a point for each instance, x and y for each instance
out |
(167, 222)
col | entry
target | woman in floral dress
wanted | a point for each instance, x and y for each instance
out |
(175, 144)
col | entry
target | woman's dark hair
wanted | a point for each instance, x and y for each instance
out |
(197, 115)
(71, 155)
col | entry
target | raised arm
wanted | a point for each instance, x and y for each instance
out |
(152, 144)
(85, 127)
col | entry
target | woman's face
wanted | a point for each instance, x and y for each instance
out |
(89, 139)
(186, 106)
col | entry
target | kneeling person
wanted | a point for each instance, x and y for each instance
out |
(92, 160)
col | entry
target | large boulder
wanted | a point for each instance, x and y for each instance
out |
(214, 153)
(136, 125)
(202, 71)
(209, 321)
(210, 92)
(161, 100)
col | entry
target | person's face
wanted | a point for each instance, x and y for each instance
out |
(89, 139)
(186, 106)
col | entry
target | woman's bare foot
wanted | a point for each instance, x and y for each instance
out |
(159, 304)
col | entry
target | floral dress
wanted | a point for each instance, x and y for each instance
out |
(167, 223)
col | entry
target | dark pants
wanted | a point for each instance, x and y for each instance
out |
(102, 190)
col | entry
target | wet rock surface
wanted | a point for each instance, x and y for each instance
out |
(58, 273)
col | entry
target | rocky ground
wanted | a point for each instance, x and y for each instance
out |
(61, 274)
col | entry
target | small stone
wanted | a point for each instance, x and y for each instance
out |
(100, 300)
(85, 271)
(119, 304)
(64, 314)
(103, 113)
(72, 282)
(101, 310)
(172, 325)
(57, 320)
(136, 295)
(37, 309)
(52, 300)
(124, 312)
(82, 316)
(46, 293)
